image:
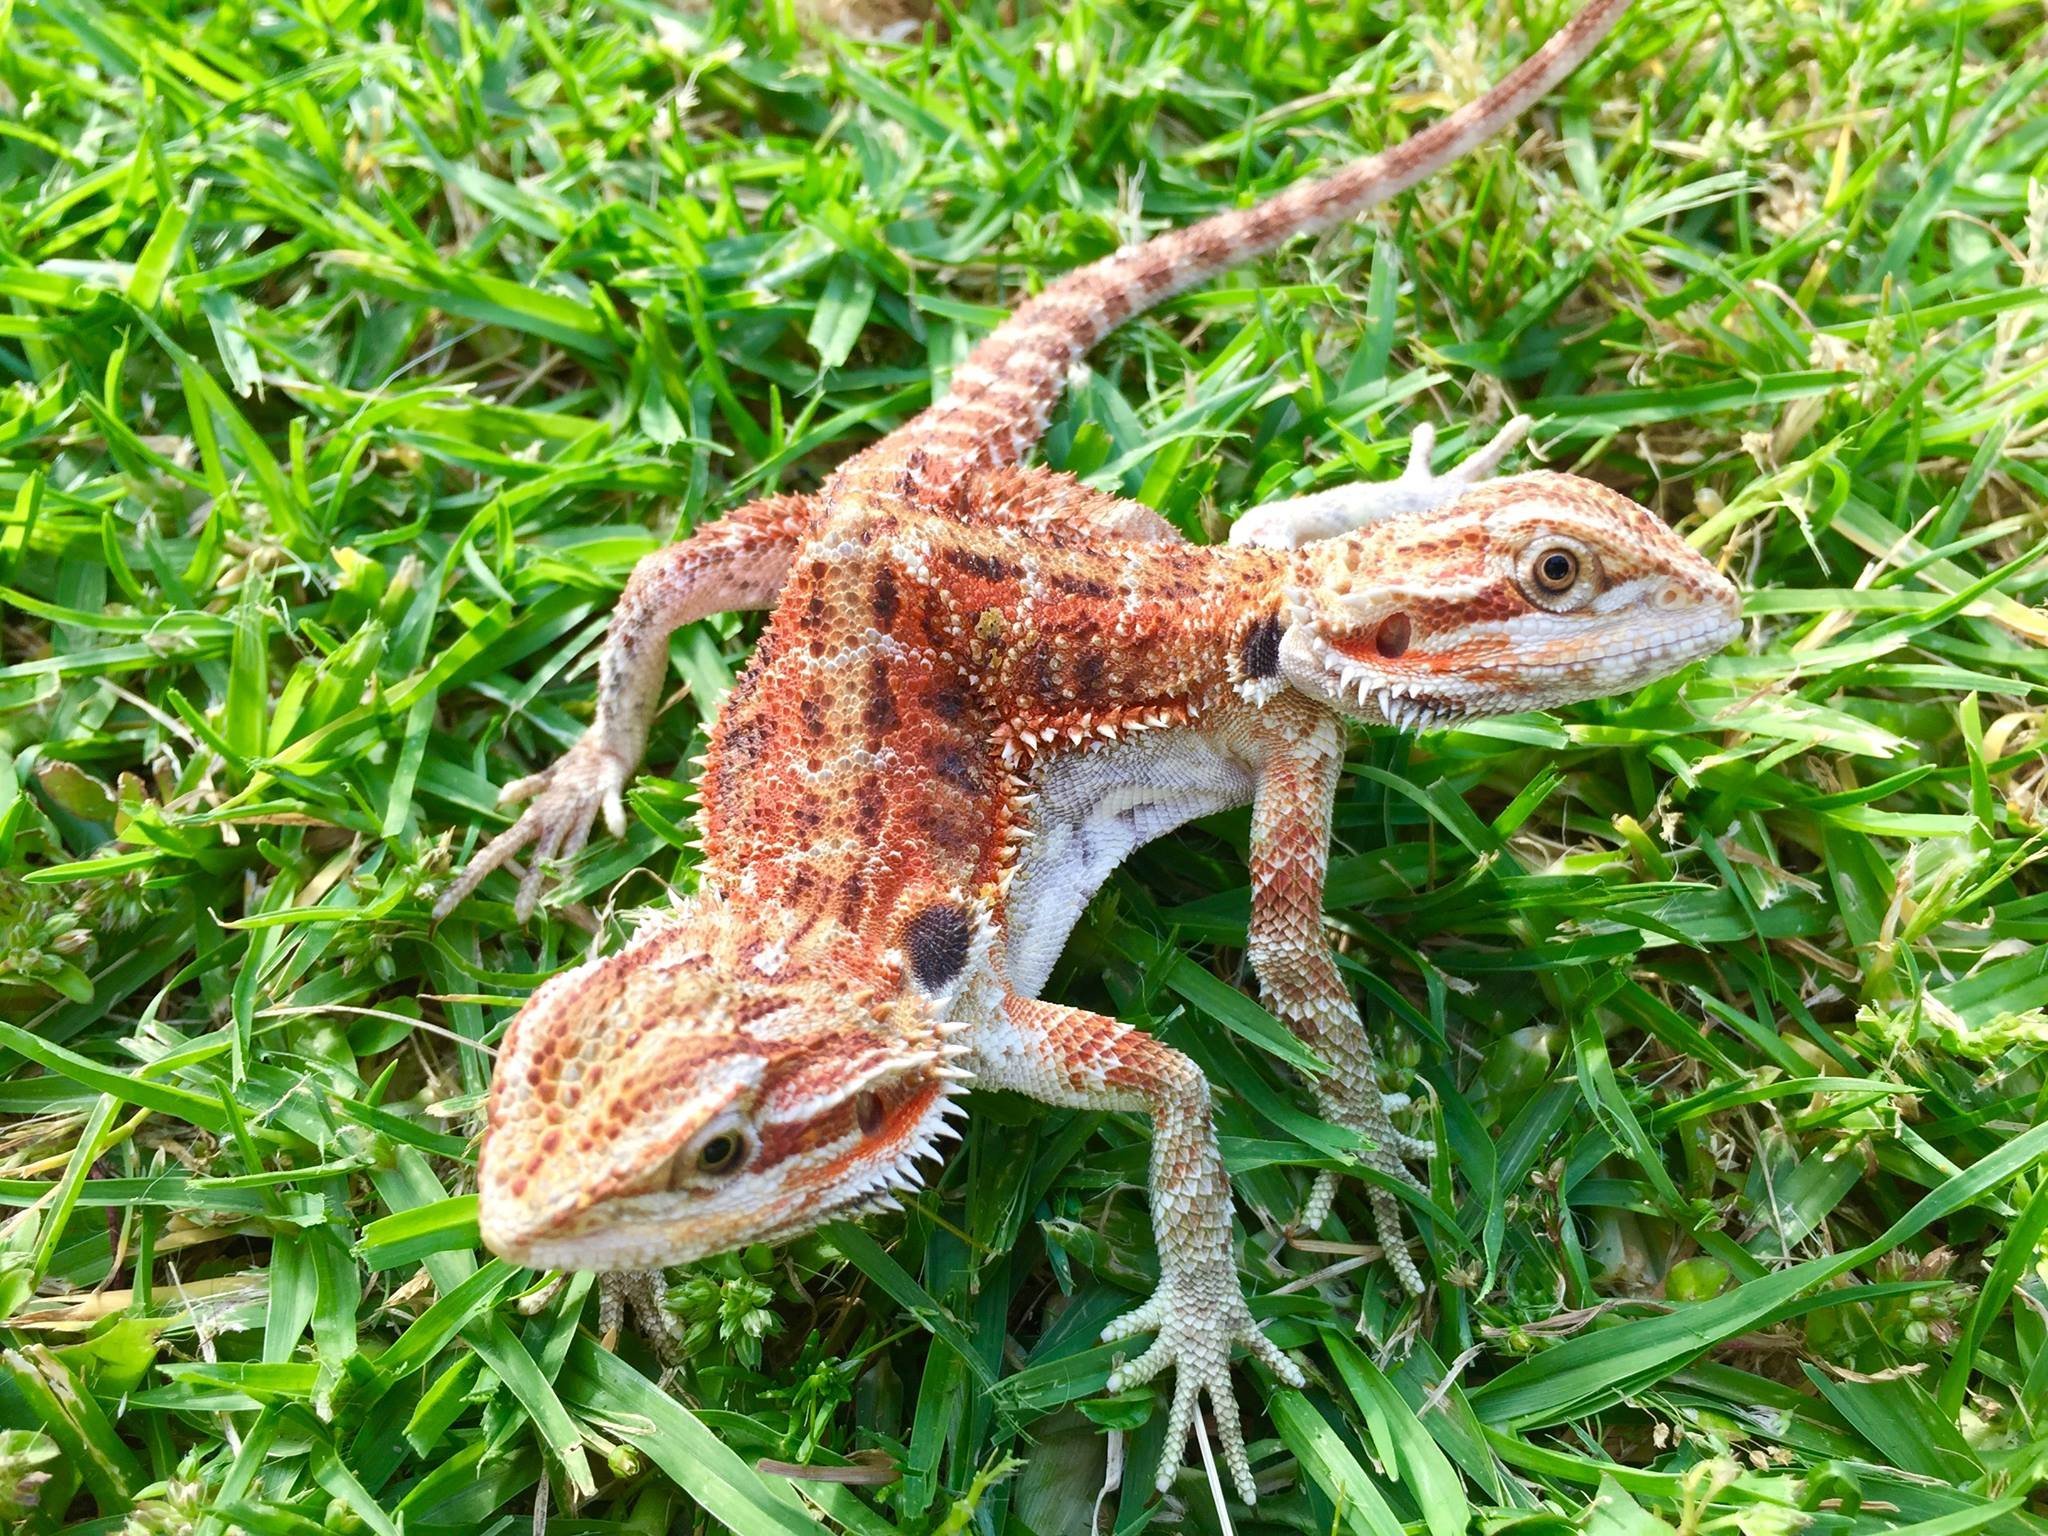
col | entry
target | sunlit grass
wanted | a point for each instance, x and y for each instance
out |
(350, 355)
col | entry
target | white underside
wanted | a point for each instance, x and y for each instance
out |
(1094, 808)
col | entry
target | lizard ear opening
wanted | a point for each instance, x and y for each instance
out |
(870, 1113)
(1392, 637)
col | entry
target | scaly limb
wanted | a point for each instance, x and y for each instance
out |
(1296, 788)
(642, 1294)
(1327, 514)
(1068, 1056)
(733, 564)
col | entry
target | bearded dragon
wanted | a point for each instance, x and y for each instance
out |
(982, 686)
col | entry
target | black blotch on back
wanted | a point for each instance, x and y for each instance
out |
(937, 940)
(883, 600)
(987, 567)
(957, 769)
(1261, 653)
(1082, 586)
(879, 713)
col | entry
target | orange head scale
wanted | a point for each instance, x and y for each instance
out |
(1525, 593)
(730, 1077)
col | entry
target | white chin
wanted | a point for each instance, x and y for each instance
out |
(624, 1250)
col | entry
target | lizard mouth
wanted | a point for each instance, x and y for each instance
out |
(847, 1173)
(1497, 672)
(1406, 706)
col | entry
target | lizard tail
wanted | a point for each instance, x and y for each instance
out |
(1002, 396)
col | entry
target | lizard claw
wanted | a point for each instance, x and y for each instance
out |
(563, 802)
(1198, 1316)
(1391, 1152)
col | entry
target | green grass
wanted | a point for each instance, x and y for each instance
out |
(351, 351)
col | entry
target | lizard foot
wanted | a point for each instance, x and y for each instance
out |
(1390, 1154)
(644, 1294)
(1198, 1316)
(564, 801)
(1341, 509)
(1474, 467)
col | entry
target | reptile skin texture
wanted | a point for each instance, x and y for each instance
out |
(982, 686)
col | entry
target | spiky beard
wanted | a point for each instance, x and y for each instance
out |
(882, 1187)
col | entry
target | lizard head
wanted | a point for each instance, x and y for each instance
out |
(1527, 592)
(723, 1080)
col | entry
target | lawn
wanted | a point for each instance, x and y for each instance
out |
(351, 351)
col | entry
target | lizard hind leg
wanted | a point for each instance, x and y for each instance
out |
(642, 1295)
(1345, 508)
(1390, 1154)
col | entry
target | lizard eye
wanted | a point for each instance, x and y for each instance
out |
(1558, 576)
(723, 1153)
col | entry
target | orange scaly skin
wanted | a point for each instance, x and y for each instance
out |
(982, 686)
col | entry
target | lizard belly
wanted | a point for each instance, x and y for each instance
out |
(1093, 808)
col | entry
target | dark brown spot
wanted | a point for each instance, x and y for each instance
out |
(1392, 639)
(1045, 680)
(987, 567)
(879, 713)
(957, 769)
(1081, 586)
(949, 701)
(957, 835)
(869, 804)
(883, 599)
(1260, 656)
(937, 940)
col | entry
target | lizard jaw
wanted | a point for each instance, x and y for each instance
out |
(1423, 620)
(832, 1172)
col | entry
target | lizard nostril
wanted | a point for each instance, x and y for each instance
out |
(1392, 639)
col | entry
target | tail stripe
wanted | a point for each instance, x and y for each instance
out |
(1008, 385)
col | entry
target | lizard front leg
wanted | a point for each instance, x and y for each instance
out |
(733, 564)
(1292, 799)
(1068, 1056)
(1327, 514)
